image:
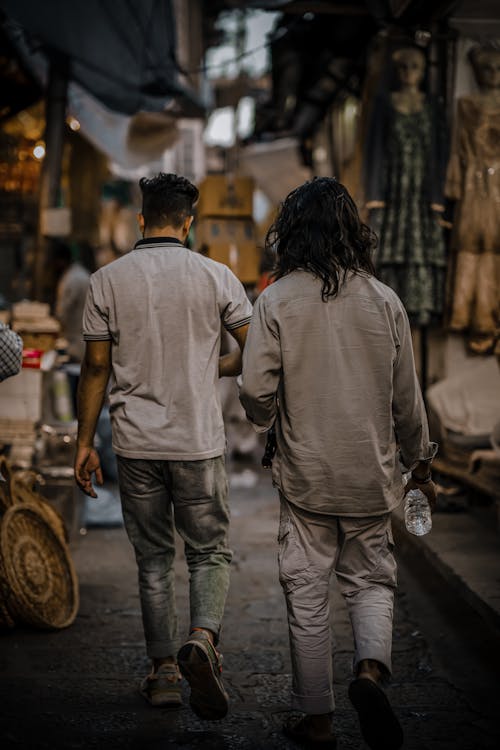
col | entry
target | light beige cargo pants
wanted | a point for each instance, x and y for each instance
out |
(360, 552)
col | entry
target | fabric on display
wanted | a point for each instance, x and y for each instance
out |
(404, 171)
(473, 180)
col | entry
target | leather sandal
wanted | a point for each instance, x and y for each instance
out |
(201, 665)
(162, 688)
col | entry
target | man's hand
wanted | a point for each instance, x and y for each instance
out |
(428, 488)
(87, 463)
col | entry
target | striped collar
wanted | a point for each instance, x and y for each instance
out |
(154, 241)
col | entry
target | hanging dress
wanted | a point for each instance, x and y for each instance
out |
(404, 168)
(473, 180)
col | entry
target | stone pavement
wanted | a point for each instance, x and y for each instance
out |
(464, 548)
(78, 688)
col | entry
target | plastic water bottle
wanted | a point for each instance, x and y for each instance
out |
(418, 519)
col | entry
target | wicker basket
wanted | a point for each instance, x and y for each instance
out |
(5, 496)
(39, 583)
(22, 491)
(6, 619)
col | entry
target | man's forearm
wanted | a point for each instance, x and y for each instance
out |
(91, 393)
(230, 364)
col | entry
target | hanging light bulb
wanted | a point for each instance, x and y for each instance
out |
(39, 151)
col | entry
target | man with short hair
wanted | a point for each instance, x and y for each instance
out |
(153, 323)
(329, 360)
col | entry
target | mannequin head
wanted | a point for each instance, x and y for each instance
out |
(410, 66)
(485, 62)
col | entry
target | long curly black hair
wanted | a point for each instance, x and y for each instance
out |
(318, 229)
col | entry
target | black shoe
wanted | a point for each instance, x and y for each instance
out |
(299, 730)
(380, 727)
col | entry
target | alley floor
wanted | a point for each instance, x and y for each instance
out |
(78, 688)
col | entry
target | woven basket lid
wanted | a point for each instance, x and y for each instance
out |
(37, 568)
(21, 491)
(6, 620)
(5, 479)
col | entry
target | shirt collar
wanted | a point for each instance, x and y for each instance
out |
(152, 241)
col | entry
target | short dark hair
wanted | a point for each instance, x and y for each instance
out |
(318, 229)
(167, 199)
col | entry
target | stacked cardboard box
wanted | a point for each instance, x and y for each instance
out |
(225, 229)
(33, 322)
(22, 396)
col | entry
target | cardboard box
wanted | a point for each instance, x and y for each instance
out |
(232, 242)
(219, 231)
(243, 260)
(21, 396)
(225, 196)
(36, 327)
(27, 310)
(55, 222)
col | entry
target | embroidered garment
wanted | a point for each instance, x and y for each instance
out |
(473, 180)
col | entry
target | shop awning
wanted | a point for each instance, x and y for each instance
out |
(275, 166)
(123, 53)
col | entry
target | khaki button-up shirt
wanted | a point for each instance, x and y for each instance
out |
(339, 379)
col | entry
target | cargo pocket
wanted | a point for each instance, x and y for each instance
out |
(292, 561)
(386, 571)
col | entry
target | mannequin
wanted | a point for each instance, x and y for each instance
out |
(473, 181)
(404, 174)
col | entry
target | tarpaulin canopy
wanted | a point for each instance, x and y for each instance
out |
(121, 52)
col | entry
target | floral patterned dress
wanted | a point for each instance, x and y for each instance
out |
(411, 255)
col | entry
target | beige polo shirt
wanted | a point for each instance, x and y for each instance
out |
(339, 378)
(162, 307)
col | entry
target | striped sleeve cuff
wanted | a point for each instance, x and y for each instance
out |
(238, 324)
(97, 337)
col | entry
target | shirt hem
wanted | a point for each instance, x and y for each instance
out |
(167, 455)
(346, 513)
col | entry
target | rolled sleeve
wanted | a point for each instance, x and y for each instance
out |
(236, 309)
(410, 418)
(262, 366)
(95, 314)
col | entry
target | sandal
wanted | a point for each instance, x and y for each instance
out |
(380, 727)
(201, 665)
(162, 688)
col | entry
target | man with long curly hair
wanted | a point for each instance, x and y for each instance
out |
(329, 362)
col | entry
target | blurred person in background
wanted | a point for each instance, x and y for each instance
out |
(71, 293)
(153, 322)
(329, 361)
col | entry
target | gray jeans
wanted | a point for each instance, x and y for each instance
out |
(360, 552)
(192, 496)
